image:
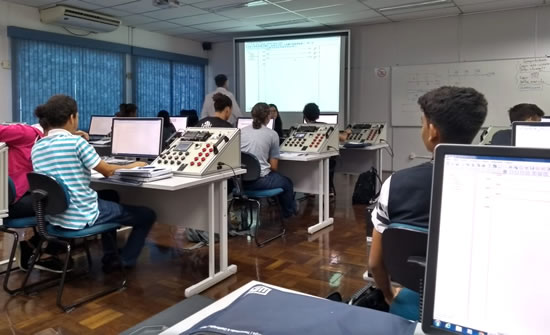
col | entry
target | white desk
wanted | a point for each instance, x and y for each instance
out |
(199, 203)
(355, 161)
(223, 303)
(310, 174)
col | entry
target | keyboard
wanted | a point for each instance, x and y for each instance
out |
(118, 161)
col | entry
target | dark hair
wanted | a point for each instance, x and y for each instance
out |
(221, 101)
(278, 122)
(166, 116)
(192, 118)
(127, 110)
(311, 112)
(56, 111)
(220, 80)
(524, 112)
(457, 112)
(260, 113)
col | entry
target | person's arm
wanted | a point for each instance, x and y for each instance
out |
(17, 134)
(274, 164)
(274, 152)
(344, 135)
(82, 134)
(108, 170)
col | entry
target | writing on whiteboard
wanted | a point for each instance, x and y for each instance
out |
(533, 74)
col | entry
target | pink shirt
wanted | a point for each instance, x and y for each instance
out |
(20, 138)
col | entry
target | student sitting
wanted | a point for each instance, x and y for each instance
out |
(168, 127)
(449, 115)
(263, 143)
(521, 112)
(127, 110)
(70, 159)
(277, 121)
(191, 115)
(222, 108)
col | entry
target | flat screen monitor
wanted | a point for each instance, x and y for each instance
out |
(531, 134)
(180, 122)
(327, 118)
(545, 119)
(247, 121)
(488, 221)
(100, 125)
(137, 137)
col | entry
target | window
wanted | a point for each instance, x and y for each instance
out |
(94, 78)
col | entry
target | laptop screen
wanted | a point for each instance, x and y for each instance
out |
(531, 134)
(493, 229)
(180, 122)
(545, 119)
(327, 118)
(247, 121)
(136, 137)
(100, 125)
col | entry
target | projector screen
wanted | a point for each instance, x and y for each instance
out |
(293, 70)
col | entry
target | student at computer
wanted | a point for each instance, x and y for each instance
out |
(70, 159)
(127, 110)
(222, 106)
(449, 115)
(521, 112)
(277, 121)
(168, 127)
(263, 143)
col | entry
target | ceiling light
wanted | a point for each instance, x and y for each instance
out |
(283, 23)
(166, 3)
(255, 3)
(415, 5)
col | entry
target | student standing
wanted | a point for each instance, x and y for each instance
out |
(208, 106)
(223, 107)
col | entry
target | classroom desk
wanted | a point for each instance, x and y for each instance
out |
(199, 203)
(189, 322)
(310, 174)
(355, 161)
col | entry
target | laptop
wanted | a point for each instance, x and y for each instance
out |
(100, 126)
(489, 241)
(531, 134)
(545, 119)
(247, 121)
(180, 122)
(135, 138)
(327, 118)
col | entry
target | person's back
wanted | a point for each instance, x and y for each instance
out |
(223, 107)
(502, 137)
(520, 112)
(221, 87)
(168, 128)
(262, 143)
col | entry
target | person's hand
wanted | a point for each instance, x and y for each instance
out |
(138, 164)
(347, 131)
(83, 134)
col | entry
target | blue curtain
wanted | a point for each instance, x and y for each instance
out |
(94, 78)
(172, 86)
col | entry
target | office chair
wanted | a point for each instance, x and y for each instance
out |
(50, 198)
(253, 198)
(404, 251)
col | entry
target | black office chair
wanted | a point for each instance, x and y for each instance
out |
(50, 198)
(404, 252)
(252, 199)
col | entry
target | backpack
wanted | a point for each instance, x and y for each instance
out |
(365, 188)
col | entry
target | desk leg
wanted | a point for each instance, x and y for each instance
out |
(324, 219)
(225, 270)
(380, 167)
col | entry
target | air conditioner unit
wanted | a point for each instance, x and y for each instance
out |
(79, 19)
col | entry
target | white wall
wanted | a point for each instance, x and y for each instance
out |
(487, 36)
(28, 17)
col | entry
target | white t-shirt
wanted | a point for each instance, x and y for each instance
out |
(208, 106)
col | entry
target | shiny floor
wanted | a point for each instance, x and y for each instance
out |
(333, 259)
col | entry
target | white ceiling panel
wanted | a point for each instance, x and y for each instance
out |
(157, 26)
(35, 3)
(113, 12)
(180, 31)
(366, 16)
(213, 4)
(137, 7)
(282, 17)
(198, 19)
(424, 14)
(498, 5)
(336, 10)
(391, 3)
(219, 25)
(297, 5)
(246, 12)
(175, 13)
(422, 11)
(110, 3)
(79, 4)
(243, 29)
(133, 20)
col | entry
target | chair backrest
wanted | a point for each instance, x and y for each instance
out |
(11, 191)
(46, 188)
(252, 166)
(403, 247)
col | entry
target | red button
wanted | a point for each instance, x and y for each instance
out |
(207, 154)
(208, 145)
(203, 149)
(192, 163)
(196, 159)
(199, 164)
(211, 150)
(202, 159)
(200, 153)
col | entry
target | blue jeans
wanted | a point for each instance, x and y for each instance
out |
(141, 219)
(276, 180)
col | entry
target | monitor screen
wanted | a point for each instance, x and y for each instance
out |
(247, 121)
(180, 122)
(327, 118)
(100, 125)
(545, 119)
(532, 135)
(493, 225)
(137, 137)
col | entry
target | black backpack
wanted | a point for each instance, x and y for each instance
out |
(365, 187)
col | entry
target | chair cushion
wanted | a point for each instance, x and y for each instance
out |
(26, 222)
(408, 226)
(406, 304)
(88, 231)
(263, 193)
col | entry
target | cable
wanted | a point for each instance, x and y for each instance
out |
(220, 164)
(389, 148)
(81, 35)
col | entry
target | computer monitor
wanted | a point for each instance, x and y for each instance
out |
(488, 225)
(247, 121)
(327, 118)
(100, 125)
(137, 137)
(180, 122)
(545, 119)
(531, 134)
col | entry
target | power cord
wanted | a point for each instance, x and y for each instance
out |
(389, 148)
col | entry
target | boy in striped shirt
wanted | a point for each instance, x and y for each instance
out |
(70, 159)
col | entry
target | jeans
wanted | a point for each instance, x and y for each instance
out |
(141, 219)
(276, 180)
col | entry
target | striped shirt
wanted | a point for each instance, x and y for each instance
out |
(69, 159)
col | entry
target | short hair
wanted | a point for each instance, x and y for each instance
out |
(221, 101)
(457, 112)
(127, 110)
(220, 80)
(191, 115)
(166, 117)
(260, 113)
(524, 112)
(311, 111)
(56, 111)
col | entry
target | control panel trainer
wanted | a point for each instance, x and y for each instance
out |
(366, 133)
(311, 138)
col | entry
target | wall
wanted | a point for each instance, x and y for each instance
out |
(486, 36)
(28, 17)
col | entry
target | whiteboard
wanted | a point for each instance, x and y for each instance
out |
(504, 83)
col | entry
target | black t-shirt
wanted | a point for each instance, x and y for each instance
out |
(213, 122)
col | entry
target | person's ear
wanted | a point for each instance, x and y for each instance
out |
(434, 136)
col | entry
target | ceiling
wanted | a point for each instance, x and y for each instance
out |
(218, 20)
